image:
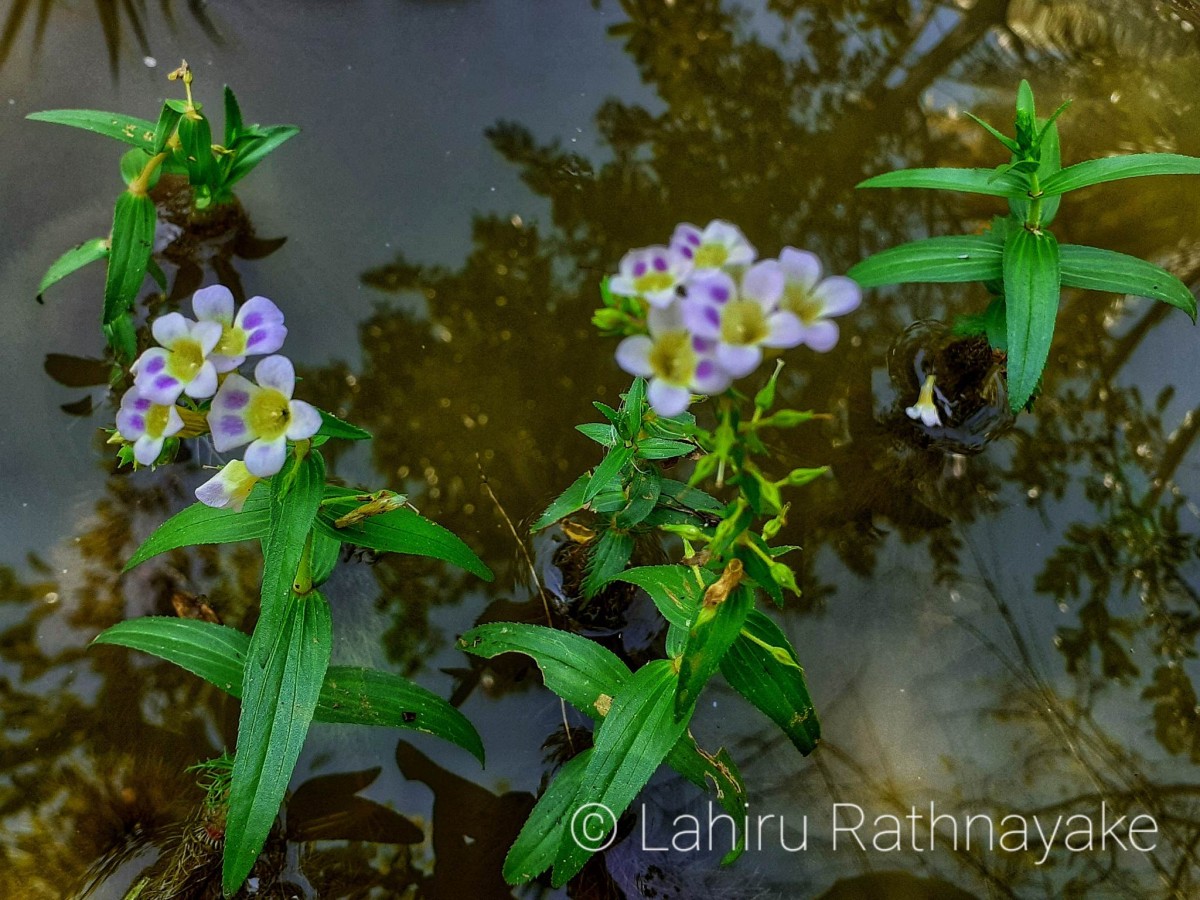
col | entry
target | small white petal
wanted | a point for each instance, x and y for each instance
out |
(204, 384)
(306, 421)
(276, 372)
(838, 295)
(821, 336)
(146, 449)
(174, 422)
(801, 266)
(668, 399)
(786, 331)
(207, 334)
(763, 283)
(633, 355)
(265, 458)
(213, 304)
(738, 361)
(169, 328)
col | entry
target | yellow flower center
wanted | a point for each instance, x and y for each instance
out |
(157, 420)
(269, 414)
(185, 359)
(711, 256)
(744, 323)
(652, 282)
(799, 300)
(672, 358)
(232, 342)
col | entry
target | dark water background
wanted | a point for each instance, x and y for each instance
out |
(1009, 633)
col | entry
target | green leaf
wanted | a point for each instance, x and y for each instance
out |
(168, 119)
(132, 241)
(215, 653)
(713, 772)
(1004, 139)
(279, 697)
(233, 118)
(533, 851)
(633, 408)
(333, 427)
(644, 491)
(770, 677)
(349, 695)
(569, 501)
(674, 589)
(1050, 162)
(132, 164)
(400, 531)
(74, 260)
(195, 138)
(605, 435)
(200, 524)
(122, 337)
(631, 743)
(690, 497)
(294, 497)
(710, 636)
(325, 553)
(1107, 270)
(957, 258)
(972, 181)
(1113, 168)
(1031, 292)
(607, 558)
(249, 153)
(129, 129)
(608, 471)
(580, 671)
(355, 696)
(662, 448)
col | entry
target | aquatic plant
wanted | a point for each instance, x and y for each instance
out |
(695, 315)
(189, 387)
(181, 144)
(1017, 258)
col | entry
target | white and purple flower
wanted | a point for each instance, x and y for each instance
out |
(652, 273)
(181, 364)
(719, 244)
(815, 300)
(264, 415)
(740, 323)
(256, 330)
(675, 360)
(229, 487)
(925, 409)
(147, 425)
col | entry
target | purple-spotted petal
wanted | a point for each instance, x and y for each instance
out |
(633, 355)
(265, 458)
(821, 336)
(738, 360)
(213, 304)
(305, 421)
(800, 266)
(204, 384)
(152, 362)
(668, 399)
(763, 283)
(227, 416)
(715, 288)
(277, 372)
(169, 328)
(700, 318)
(131, 425)
(786, 331)
(710, 378)
(207, 334)
(156, 385)
(728, 235)
(686, 239)
(838, 295)
(146, 449)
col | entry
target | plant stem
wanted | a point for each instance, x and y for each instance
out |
(140, 185)
(303, 583)
(1034, 222)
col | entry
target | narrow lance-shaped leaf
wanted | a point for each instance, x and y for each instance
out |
(714, 772)
(129, 129)
(675, 589)
(333, 427)
(1049, 164)
(1114, 168)
(607, 558)
(250, 153)
(295, 495)
(718, 622)
(972, 181)
(1031, 292)
(606, 474)
(195, 137)
(569, 501)
(958, 258)
(580, 671)
(278, 702)
(1107, 270)
(200, 524)
(349, 695)
(631, 743)
(534, 850)
(168, 119)
(72, 261)
(233, 117)
(762, 666)
(132, 241)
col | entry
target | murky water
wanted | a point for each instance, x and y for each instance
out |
(1010, 633)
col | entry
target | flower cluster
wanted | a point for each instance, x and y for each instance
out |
(713, 308)
(188, 384)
